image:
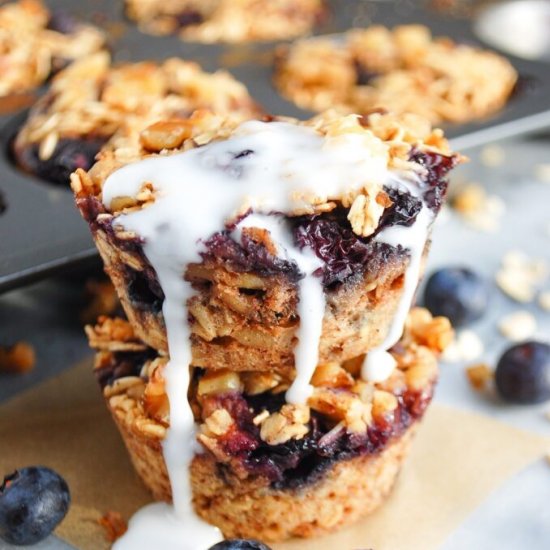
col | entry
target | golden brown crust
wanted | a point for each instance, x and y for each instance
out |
(348, 491)
(226, 20)
(404, 70)
(31, 50)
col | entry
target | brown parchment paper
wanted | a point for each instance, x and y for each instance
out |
(458, 458)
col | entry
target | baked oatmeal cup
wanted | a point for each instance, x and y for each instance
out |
(35, 43)
(267, 269)
(227, 20)
(273, 470)
(91, 100)
(244, 310)
(403, 69)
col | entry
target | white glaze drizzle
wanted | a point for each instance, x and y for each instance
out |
(311, 304)
(379, 363)
(197, 192)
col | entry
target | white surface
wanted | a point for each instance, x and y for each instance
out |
(515, 517)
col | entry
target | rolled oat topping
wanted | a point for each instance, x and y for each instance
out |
(36, 43)
(227, 20)
(92, 100)
(404, 70)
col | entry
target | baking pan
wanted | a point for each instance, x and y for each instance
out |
(40, 228)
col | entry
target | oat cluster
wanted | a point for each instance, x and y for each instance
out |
(389, 136)
(339, 394)
(403, 70)
(32, 51)
(94, 99)
(211, 21)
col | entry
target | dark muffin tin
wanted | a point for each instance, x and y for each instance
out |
(40, 228)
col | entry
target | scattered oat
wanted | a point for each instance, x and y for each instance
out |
(519, 275)
(17, 359)
(479, 375)
(478, 209)
(492, 155)
(518, 326)
(547, 415)
(114, 525)
(467, 346)
(544, 300)
(542, 173)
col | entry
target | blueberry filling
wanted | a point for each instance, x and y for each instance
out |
(68, 155)
(121, 364)
(144, 289)
(297, 463)
(403, 211)
(437, 167)
(363, 76)
(249, 255)
(343, 252)
(187, 18)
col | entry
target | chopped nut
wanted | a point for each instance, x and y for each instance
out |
(341, 405)
(289, 423)
(259, 418)
(433, 332)
(479, 375)
(518, 326)
(113, 334)
(422, 370)
(219, 381)
(168, 134)
(259, 382)
(383, 403)
(478, 209)
(332, 375)
(114, 525)
(17, 359)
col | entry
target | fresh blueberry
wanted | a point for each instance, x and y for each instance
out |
(239, 544)
(523, 373)
(457, 293)
(33, 501)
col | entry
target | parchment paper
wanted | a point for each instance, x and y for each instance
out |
(458, 459)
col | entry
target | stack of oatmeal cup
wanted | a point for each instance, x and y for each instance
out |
(271, 373)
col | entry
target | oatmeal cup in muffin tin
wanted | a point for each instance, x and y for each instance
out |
(403, 69)
(211, 21)
(273, 470)
(92, 99)
(35, 43)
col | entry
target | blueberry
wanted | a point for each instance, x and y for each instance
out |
(239, 544)
(69, 154)
(523, 373)
(457, 293)
(33, 501)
